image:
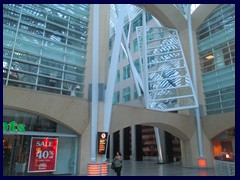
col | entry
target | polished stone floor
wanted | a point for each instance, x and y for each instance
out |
(151, 168)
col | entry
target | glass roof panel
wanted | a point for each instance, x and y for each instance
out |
(132, 12)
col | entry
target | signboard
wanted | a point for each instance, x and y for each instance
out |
(43, 154)
(102, 142)
(13, 127)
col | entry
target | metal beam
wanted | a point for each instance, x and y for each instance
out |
(198, 120)
(113, 69)
(136, 76)
(158, 142)
(145, 63)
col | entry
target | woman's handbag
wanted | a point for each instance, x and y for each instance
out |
(113, 166)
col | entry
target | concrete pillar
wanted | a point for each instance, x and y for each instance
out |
(94, 107)
(159, 148)
(133, 140)
(103, 46)
(189, 151)
(163, 144)
(194, 77)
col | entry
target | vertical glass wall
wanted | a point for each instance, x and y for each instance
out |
(44, 47)
(216, 45)
(17, 145)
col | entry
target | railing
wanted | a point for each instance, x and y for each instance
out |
(224, 168)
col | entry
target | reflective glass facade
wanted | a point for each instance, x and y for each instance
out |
(44, 47)
(216, 44)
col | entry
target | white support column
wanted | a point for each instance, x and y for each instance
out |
(145, 63)
(113, 70)
(198, 120)
(129, 31)
(136, 76)
(158, 142)
(157, 22)
(75, 156)
(133, 140)
(163, 144)
(122, 142)
(94, 122)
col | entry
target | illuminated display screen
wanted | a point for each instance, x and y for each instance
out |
(102, 142)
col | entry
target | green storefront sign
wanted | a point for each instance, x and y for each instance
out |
(13, 127)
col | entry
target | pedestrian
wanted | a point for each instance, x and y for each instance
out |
(118, 163)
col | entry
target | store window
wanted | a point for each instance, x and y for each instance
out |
(224, 146)
(17, 145)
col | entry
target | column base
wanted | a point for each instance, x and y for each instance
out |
(98, 169)
(202, 163)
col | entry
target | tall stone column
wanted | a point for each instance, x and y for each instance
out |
(160, 140)
(100, 82)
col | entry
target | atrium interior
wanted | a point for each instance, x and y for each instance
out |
(162, 88)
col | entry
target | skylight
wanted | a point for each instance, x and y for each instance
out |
(183, 8)
(194, 7)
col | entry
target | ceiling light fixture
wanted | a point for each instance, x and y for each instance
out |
(210, 57)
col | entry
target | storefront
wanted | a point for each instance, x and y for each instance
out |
(22, 129)
(224, 146)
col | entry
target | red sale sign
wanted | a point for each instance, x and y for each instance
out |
(43, 154)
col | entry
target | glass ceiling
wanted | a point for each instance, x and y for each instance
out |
(132, 12)
(183, 8)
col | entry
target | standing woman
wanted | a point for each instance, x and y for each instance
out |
(118, 163)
